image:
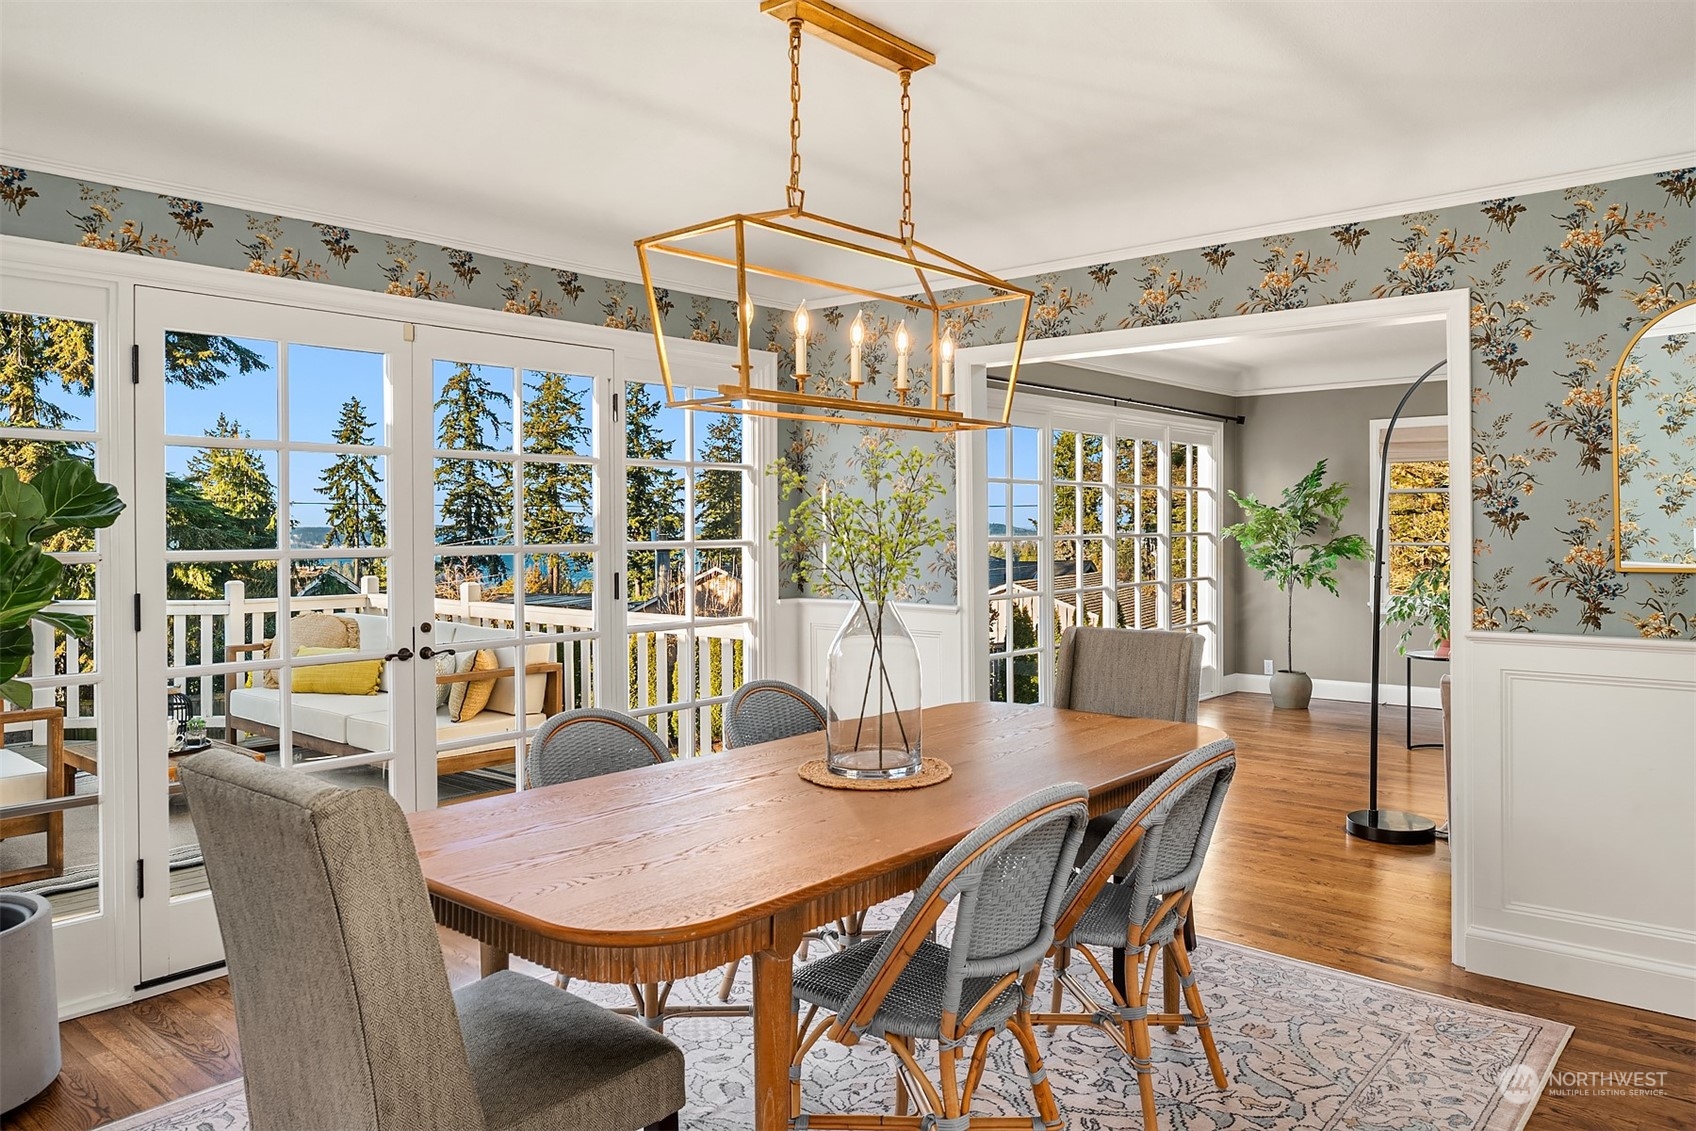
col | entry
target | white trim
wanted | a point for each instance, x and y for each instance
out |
(1451, 307)
(1590, 971)
(1374, 437)
(1325, 220)
(1244, 383)
(1390, 694)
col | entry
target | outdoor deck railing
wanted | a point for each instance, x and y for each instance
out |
(198, 631)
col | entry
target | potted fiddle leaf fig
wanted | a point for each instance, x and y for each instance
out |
(64, 495)
(1424, 601)
(1297, 541)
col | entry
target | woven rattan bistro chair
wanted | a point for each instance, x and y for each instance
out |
(1006, 881)
(341, 996)
(1163, 837)
(766, 710)
(586, 743)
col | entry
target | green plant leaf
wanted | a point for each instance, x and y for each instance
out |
(73, 624)
(74, 498)
(28, 581)
(15, 645)
(17, 692)
(21, 508)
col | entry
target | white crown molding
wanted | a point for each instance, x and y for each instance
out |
(1358, 214)
(628, 273)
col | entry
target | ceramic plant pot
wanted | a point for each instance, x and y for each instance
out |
(1291, 691)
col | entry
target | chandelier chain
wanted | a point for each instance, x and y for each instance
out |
(906, 157)
(796, 195)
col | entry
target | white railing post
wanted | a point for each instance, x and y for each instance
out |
(371, 586)
(470, 593)
(41, 665)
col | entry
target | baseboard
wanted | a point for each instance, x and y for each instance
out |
(1343, 691)
(1606, 975)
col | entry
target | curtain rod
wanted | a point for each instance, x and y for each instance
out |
(1125, 401)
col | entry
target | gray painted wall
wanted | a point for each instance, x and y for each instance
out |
(1282, 438)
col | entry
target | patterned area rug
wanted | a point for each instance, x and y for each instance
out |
(1304, 1046)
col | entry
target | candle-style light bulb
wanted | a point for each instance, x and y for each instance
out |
(802, 322)
(856, 352)
(945, 375)
(748, 313)
(903, 346)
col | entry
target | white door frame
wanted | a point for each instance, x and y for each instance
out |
(1451, 307)
(102, 970)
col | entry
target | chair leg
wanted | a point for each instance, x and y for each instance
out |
(729, 979)
(1142, 1045)
(669, 1123)
(1041, 1090)
(1062, 960)
(1192, 995)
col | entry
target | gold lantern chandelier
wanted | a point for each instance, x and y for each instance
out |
(950, 294)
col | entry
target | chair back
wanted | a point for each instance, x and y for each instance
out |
(1167, 828)
(1136, 672)
(342, 1001)
(587, 743)
(766, 710)
(1008, 878)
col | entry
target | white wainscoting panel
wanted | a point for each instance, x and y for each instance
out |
(799, 645)
(1579, 760)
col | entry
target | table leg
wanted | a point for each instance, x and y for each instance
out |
(492, 959)
(774, 1044)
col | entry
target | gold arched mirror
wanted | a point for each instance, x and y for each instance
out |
(1654, 390)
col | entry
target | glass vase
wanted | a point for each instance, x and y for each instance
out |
(872, 696)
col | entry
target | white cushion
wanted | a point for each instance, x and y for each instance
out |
(374, 637)
(321, 716)
(23, 781)
(504, 696)
(370, 730)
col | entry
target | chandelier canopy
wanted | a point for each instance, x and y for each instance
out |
(789, 243)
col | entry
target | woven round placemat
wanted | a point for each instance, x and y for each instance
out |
(931, 772)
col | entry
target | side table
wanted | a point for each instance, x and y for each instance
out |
(1407, 684)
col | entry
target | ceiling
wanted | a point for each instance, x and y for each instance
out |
(1049, 132)
(1391, 353)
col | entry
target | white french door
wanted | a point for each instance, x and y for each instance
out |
(274, 520)
(1109, 519)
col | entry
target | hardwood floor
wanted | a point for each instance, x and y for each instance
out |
(1282, 876)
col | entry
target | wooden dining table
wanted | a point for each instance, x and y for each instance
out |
(671, 870)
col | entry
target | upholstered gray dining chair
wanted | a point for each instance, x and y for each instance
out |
(766, 710)
(1144, 673)
(1006, 881)
(586, 743)
(342, 1002)
(1163, 837)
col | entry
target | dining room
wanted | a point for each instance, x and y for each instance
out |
(1056, 595)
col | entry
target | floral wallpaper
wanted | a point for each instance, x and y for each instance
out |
(1559, 282)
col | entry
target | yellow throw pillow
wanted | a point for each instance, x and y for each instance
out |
(356, 677)
(315, 630)
(467, 700)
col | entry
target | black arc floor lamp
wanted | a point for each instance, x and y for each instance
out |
(1386, 826)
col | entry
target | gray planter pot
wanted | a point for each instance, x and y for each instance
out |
(1291, 691)
(29, 1020)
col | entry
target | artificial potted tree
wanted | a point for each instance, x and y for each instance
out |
(1425, 600)
(1297, 542)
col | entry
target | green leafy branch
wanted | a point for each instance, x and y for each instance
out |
(65, 495)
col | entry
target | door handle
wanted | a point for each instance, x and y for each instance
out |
(403, 654)
(429, 653)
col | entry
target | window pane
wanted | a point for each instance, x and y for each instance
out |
(336, 396)
(559, 502)
(50, 375)
(473, 406)
(558, 414)
(220, 386)
(473, 502)
(718, 504)
(1026, 459)
(718, 436)
(1091, 447)
(716, 586)
(338, 500)
(1419, 475)
(651, 430)
(1092, 506)
(219, 498)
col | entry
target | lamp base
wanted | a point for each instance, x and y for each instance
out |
(1390, 826)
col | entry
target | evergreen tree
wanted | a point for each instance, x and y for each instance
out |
(202, 360)
(226, 502)
(235, 481)
(33, 353)
(559, 500)
(476, 497)
(356, 513)
(654, 495)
